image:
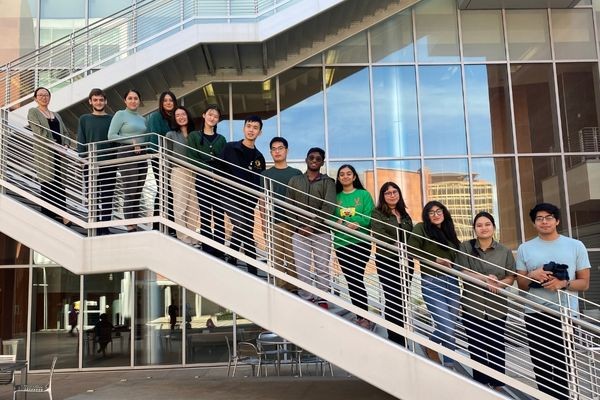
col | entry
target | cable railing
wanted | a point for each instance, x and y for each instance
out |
(113, 189)
(116, 37)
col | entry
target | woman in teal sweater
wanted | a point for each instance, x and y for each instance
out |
(354, 207)
(127, 128)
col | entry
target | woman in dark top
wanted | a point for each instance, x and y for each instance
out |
(48, 128)
(389, 223)
(434, 240)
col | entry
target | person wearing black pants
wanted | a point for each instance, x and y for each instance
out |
(390, 222)
(354, 208)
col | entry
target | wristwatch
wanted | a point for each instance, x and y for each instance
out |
(568, 285)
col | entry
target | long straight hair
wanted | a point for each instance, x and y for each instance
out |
(208, 108)
(446, 233)
(382, 205)
(356, 183)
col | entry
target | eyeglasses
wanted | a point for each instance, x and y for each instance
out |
(391, 193)
(315, 158)
(435, 212)
(547, 218)
(279, 148)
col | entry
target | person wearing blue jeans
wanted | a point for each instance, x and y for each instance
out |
(435, 240)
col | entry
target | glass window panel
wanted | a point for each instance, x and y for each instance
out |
(578, 97)
(314, 60)
(104, 8)
(395, 104)
(527, 34)
(152, 22)
(583, 175)
(14, 284)
(55, 290)
(363, 169)
(541, 182)
(12, 252)
(155, 342)
(483, 36)
(349, 134)
(352, 50)
(573, 34)
(206, 341)
(442, 111)
(392, 39)
(255, 98)
(62, 9)
(593, 293)
(437, 31)
(302, 110)
(110, 294)
(19, 22)
(447, 181)
(488, 109)
(407, 175)
(495, 191)
(54, 29)
(534, 108)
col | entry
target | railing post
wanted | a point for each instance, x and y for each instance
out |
(405, 279)
(3, 141)
(134, 26)
(181, 14)
(267, 218)
(566, 318)
(92, 185)
(72, 55)
(7, 86)
(162, 181)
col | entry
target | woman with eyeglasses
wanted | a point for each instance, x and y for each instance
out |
(390, 223)
(48, 129)
(354, 208)
(128, 128)
(182, 179)
(206, 146)
(435, 240)
(484, 306)
(160, 122)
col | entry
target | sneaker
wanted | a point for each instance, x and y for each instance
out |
(322, 303)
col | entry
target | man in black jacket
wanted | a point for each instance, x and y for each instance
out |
(243, 163)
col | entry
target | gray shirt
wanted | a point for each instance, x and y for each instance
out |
(177, 143)
(477, 300)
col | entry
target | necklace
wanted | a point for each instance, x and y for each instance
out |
(47, 114)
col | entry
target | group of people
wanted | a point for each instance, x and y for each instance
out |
(301, 234)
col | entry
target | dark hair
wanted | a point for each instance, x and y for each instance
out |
(356, 182)
(484, 214)
(446, 233)
(190, 124)
(254, 118)
(549, 208)
(162, 110)
(279, 139)
(382, 205)
(35, 92)
(134, 91)
(211, 107)
(96, 92)
(316, 150)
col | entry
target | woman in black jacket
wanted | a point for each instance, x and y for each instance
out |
(390, 222)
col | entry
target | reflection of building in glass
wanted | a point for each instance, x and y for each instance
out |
(408, 181)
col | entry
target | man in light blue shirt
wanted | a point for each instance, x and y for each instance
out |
(544, 329)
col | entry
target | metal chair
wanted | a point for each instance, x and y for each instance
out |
(306, 358)
(37, 388)
(247, 354)
(7, 378)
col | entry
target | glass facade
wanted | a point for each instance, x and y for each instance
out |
(491, 110)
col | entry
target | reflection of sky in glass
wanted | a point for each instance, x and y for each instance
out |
(303, 126)
(442, 112)
(349, 115)
(478, 108)
(395, 104)
(485, 170)
(392, 40)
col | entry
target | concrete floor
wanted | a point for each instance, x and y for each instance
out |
(199, 383)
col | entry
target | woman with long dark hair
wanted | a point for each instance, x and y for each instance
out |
(435, 240)
(206, 146)
(128, 128)
(484, 306)
(354, 208)
(390, 223)
(182, 179)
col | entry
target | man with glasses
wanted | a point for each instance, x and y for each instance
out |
(281, 236)
(549, 288)
(314, 192)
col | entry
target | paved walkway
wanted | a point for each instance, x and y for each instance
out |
(198, 383)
